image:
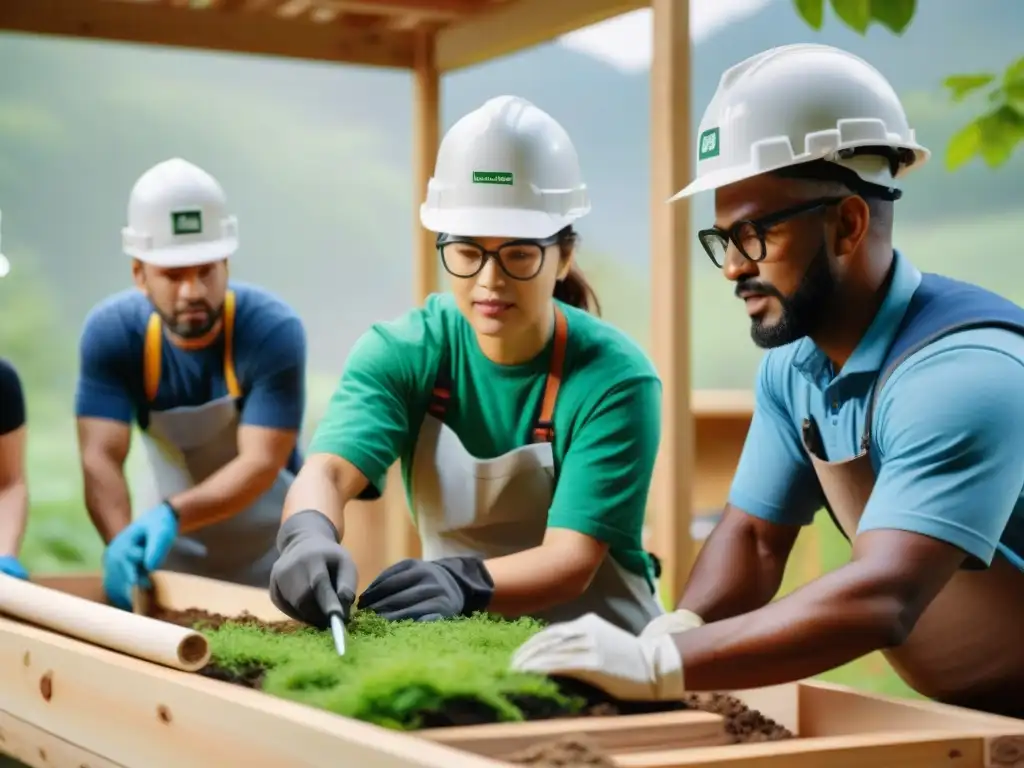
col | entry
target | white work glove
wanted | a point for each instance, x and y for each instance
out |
(601, 654)
(672, 623)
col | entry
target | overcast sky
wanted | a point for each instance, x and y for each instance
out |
(625, 41)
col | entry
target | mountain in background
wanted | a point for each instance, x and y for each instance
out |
(316, 158)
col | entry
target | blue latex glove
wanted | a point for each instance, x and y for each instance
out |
(9, 564)
(135, 552)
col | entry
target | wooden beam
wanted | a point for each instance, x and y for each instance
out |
(672, 488)
(521, 24)
(436, 10)
(252, 33)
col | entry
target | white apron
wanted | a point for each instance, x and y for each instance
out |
(495, 507)
(184, 446)
(967, 648)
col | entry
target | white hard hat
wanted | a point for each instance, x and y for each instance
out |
(507, 169)
(177, 217)
(5, 265)
(799, 103)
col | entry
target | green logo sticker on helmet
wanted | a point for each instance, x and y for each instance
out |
(186, 222)
(708, 146)
(492, 177)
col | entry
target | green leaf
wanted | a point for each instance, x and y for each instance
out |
(964, 145)
(1013, 83)
(855, 13)
(1000, 131)
(962, 85)
(812, 11)
(894, 14)
(1014, 93)
(1014, 73)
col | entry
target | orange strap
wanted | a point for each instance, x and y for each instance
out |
(152, 348)
(230, 379)
(544, 431)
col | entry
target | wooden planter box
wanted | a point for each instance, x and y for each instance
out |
(65, 703)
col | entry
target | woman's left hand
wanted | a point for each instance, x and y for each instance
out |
(426, 590)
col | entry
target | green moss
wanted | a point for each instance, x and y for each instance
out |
(393, 674)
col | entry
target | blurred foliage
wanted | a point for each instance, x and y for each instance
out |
(993, 135)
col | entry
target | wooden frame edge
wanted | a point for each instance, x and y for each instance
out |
(613, 735)
(167, 718)
(831, 707)
(38, 748)
(898, 749)
(857, 725)
(519, 25)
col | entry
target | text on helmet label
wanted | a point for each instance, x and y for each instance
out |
(492, 177)
(708, 146)
(186, 222)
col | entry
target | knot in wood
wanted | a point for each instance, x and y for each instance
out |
(46, 685)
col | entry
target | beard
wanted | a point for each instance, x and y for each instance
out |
(193, 327)
(802, 311)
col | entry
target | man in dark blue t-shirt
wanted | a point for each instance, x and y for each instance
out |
(213, 374)
(13, 488)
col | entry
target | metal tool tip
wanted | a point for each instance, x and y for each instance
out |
(338, 633)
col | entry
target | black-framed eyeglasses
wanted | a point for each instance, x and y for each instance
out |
(748, 234)
(519, 259)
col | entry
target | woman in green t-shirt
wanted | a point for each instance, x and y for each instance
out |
(525, 504)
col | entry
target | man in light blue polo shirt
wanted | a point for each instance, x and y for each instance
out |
(893, 399)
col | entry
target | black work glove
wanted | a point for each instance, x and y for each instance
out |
(315, 575)
(426, 590)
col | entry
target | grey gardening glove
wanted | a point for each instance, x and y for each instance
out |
(314, 575)
(429, 589)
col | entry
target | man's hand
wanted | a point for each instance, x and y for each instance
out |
(429, 589)
(315, 575)
(678, 620)
(11, 566)
(597, 652)
(137, 551)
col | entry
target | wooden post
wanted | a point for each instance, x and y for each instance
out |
(426, 130)
(402, 537)
(671, 150)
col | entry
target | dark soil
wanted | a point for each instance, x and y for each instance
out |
(197, 618)
(743, 725)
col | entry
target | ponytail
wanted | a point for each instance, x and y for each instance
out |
(575, 290)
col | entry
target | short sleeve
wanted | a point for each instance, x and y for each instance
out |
(605, 475)
(370, 414)
(276, 393)
(948, 429)
(774, 479)
(102, 390)
(12, 399)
